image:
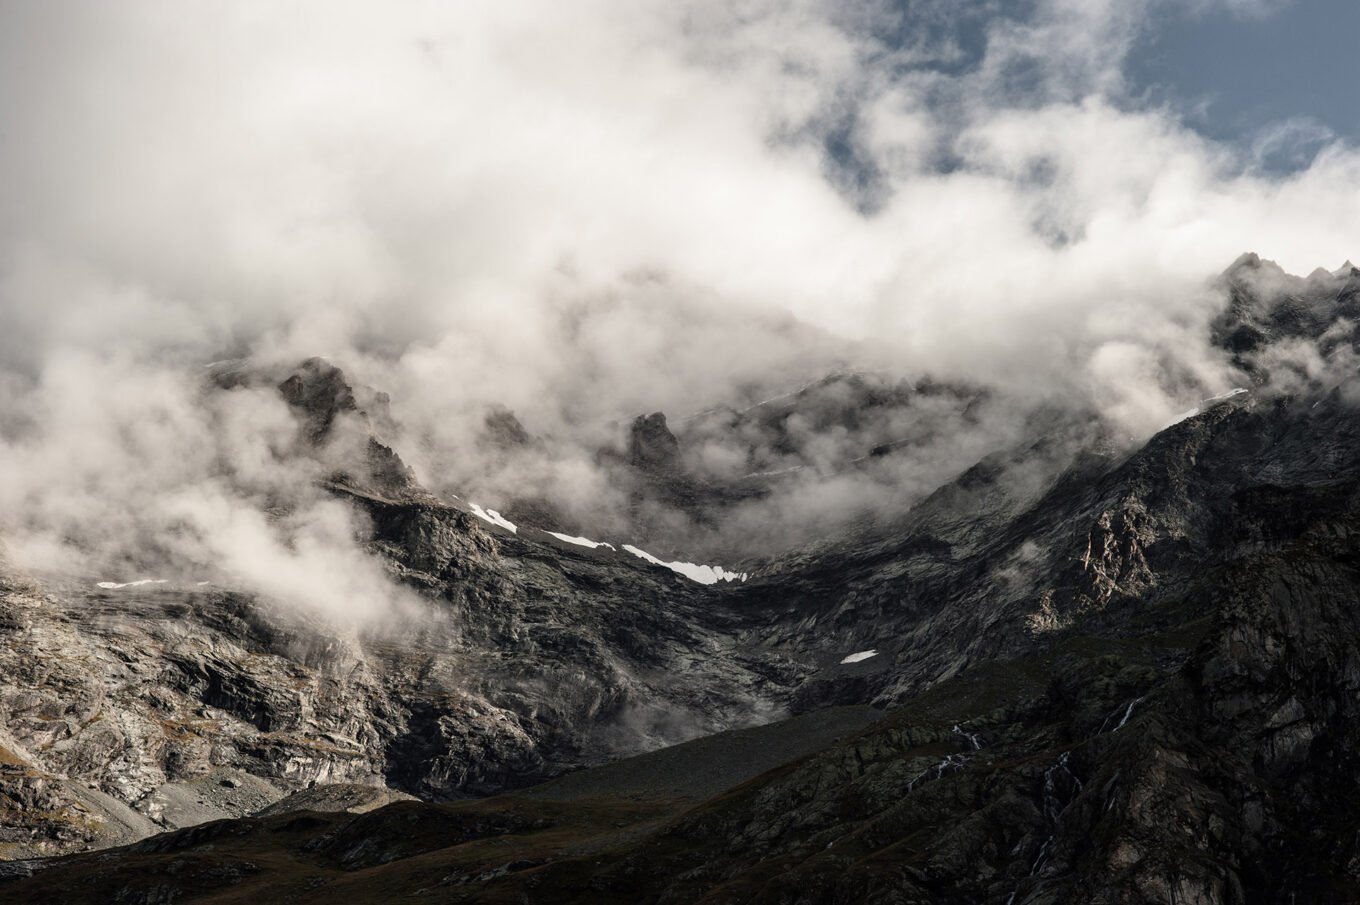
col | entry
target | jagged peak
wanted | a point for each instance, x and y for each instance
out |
(502, 430)
(1251, 267)
(651, 444)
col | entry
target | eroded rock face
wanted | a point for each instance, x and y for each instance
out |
(531, 656)
(131, 691)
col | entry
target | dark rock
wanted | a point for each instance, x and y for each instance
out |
(503, 430)
(320, 392)
(651, 445)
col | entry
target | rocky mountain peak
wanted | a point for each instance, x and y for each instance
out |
(319, 391)
(502, 430)
(1246, 261)
(345, 424)
(651, 445)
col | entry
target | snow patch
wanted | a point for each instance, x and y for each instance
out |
(973, 739)
(701, 574)
(580, 541)
(494, 517)
(777, 398)
(1202, 406)
(862, 655)
(115, 585)
(770, 474)
(1128, 712)
(1178, 419)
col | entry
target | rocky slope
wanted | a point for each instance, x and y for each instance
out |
(1107, 676)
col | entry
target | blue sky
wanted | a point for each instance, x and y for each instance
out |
(1276, 78)
(1233, 76)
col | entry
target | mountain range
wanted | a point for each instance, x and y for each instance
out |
(1074, 668)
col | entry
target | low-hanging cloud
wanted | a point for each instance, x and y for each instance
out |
(581, 212)
(125, 471)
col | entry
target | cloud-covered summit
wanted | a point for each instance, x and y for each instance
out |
(585, 211)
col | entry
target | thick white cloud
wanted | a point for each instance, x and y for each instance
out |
(583, 209)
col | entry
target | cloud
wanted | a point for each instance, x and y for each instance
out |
(583, 211)
(1291, 144)
(116, 471)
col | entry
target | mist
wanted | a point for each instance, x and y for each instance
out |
(582, 213)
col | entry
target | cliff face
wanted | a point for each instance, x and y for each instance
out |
(1133, 680)
(142, 705)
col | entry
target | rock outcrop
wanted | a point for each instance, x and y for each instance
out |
(651, 445)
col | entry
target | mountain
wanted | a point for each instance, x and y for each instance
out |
(1073, 672)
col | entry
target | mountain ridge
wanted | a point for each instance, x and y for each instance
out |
(1105, 675)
